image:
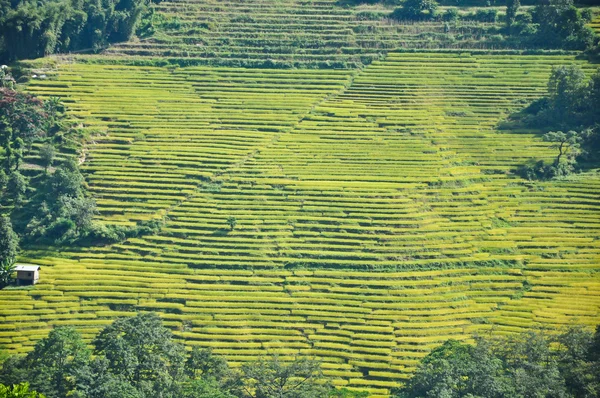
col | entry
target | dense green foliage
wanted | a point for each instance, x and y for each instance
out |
(528, 366)
(138, 358)
(512, 8)
(555, 24)
(272, 378)
(18, 391)
(9, 245)
(550, 24)
(32, 29)
(45, 207)
(571, 122)
(416, 10)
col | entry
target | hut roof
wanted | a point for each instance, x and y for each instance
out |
(27, 267)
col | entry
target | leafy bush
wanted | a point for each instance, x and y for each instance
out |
(571, 105)
(416, 10)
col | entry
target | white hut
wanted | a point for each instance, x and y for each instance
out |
(27, 274)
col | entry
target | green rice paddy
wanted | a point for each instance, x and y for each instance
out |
(377, 210)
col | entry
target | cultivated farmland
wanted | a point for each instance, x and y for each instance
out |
(300, 33)
(377, 212)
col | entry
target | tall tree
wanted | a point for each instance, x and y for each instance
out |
(97, 381)
(9, 246)
(203, 363)
(203, 388)
(273, 378)
(568, 144)
(566, 95)
(16, 187)
(416, 9)
(458, 370)
(512, 8)
(55, 362)
(47, 154)
(142, 351)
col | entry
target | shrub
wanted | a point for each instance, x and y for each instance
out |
(486, 15)
(451, 15)
(416, 10)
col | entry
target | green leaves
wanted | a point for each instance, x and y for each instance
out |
(416, 10)
(232, 222)
(9, 246)
(529, 365)
(36, 29)
(568, 144)
(18, 391)
(55, 362)
(142, 351)
(273, 378)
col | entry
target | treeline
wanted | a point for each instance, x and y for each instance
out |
(138, 357)
(570, 118)
(530, 365)
(36, 28)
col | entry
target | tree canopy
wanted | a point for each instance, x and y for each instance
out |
(569, 118)
(32, 29)
(531, 365)
(18, 391)
(9, 245)
(137, 357)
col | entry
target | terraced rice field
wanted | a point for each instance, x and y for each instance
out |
(292, 33)
(376, 212)
(595, 24)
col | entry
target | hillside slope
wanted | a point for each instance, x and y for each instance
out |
(377, 212)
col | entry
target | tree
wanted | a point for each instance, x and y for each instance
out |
(18, 391)
(3, 180)
(203, 388)
(232, 222)
(21, 116)
(512, 8)
(54, 364)
(9, 246)
(202, 363)
(78, 209)
(16, 187)
(567, 87)
(97, 381)
(142, 351)
(6, 79)
(47, 154)
(457, 370)
(568, 144)
(416, 9)
(18, 146)
(345, 393)
(35, 30)
(575, 363)
(67, 180)
(272, 378)
(560, 24)
(529, 365)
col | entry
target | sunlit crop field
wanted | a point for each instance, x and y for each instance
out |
(377, 212)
